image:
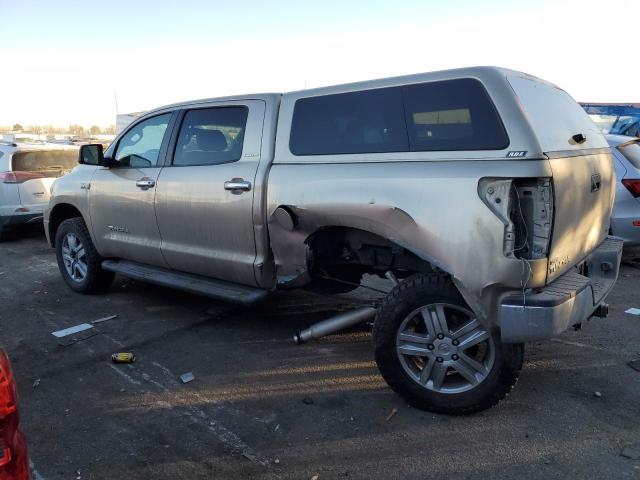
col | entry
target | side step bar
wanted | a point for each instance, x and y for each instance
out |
(216, 289)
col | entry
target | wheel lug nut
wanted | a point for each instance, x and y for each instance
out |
(454, 357)
(439, 359)
(455, 342)
(430, 346)
(440, 336)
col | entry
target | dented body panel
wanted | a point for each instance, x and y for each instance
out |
(431, 208)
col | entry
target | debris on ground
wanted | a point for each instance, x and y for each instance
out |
(633, 311)
(307, 401)
(635, 364)
(632, 453)
(392, 414)
(123, 357)
(146, 377)
(77, 333)
(250, 456)
(36, 382)
(104, 319)
(187, 377)
(597, 394)
(71, 330)
(277, 461)
(315, 477)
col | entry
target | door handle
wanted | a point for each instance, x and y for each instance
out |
(145, 183)
(237, 185)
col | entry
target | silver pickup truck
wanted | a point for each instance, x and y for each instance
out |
(484, 194)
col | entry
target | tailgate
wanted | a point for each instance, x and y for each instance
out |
(582, 166)
(584, 191)
(36, 191)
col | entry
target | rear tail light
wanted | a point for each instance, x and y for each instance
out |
(19, 177)
(13, 448)
(633, 185)
(525, 207)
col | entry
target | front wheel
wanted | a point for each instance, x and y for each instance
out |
(78, 259)
(432, 350)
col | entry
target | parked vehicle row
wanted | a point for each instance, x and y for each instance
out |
(484, 193)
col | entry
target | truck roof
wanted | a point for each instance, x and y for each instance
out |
(478, 72)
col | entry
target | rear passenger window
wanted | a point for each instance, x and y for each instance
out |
(452, 115)
(369, 121)
(447, 115)
(211, 136)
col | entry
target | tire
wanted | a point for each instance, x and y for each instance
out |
(424, 367)
(94, 279)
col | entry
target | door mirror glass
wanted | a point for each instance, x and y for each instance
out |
(91, 155)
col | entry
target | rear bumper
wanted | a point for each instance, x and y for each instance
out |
(567, 301)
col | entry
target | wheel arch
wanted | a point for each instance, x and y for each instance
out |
(59, 213)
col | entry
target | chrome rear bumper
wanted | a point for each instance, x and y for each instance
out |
(569, 300)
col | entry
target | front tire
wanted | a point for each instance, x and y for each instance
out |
(78, 259)
(432, 351)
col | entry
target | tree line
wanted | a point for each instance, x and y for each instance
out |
(74, 129)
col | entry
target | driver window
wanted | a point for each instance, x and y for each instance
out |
(140, 146)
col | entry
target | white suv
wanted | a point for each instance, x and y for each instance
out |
(27, 172)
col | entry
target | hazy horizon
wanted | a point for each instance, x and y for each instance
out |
(65, 62)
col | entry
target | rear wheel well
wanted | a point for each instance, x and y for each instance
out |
(348, 253)
(59, 214)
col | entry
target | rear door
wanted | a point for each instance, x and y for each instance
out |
(204, 199)
(121, 198)
(582, 166)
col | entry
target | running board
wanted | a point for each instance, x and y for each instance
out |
(216, 289)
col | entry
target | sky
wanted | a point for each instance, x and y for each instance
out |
(68, 61)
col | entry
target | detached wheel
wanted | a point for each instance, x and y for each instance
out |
(78, 260)
(432, 351)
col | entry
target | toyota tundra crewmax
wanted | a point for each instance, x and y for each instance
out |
(483, 194)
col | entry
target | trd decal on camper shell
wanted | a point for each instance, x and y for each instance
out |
(518, 154)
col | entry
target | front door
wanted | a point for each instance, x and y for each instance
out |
(204, 198)
(121, 198)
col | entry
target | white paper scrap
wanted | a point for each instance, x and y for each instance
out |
(633, 311)
(71, 330)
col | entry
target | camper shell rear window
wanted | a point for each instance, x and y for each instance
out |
(451, 115)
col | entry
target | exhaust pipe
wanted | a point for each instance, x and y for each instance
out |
(334, 324)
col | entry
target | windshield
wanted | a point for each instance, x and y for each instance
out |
(615, 119)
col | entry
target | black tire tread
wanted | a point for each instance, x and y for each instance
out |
(438, 287)
(98, 280)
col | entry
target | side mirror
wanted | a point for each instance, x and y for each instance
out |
(93, 154)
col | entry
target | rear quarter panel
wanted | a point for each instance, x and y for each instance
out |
(431, 208)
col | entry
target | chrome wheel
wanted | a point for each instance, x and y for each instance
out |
(74, 256)
(444, 348)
